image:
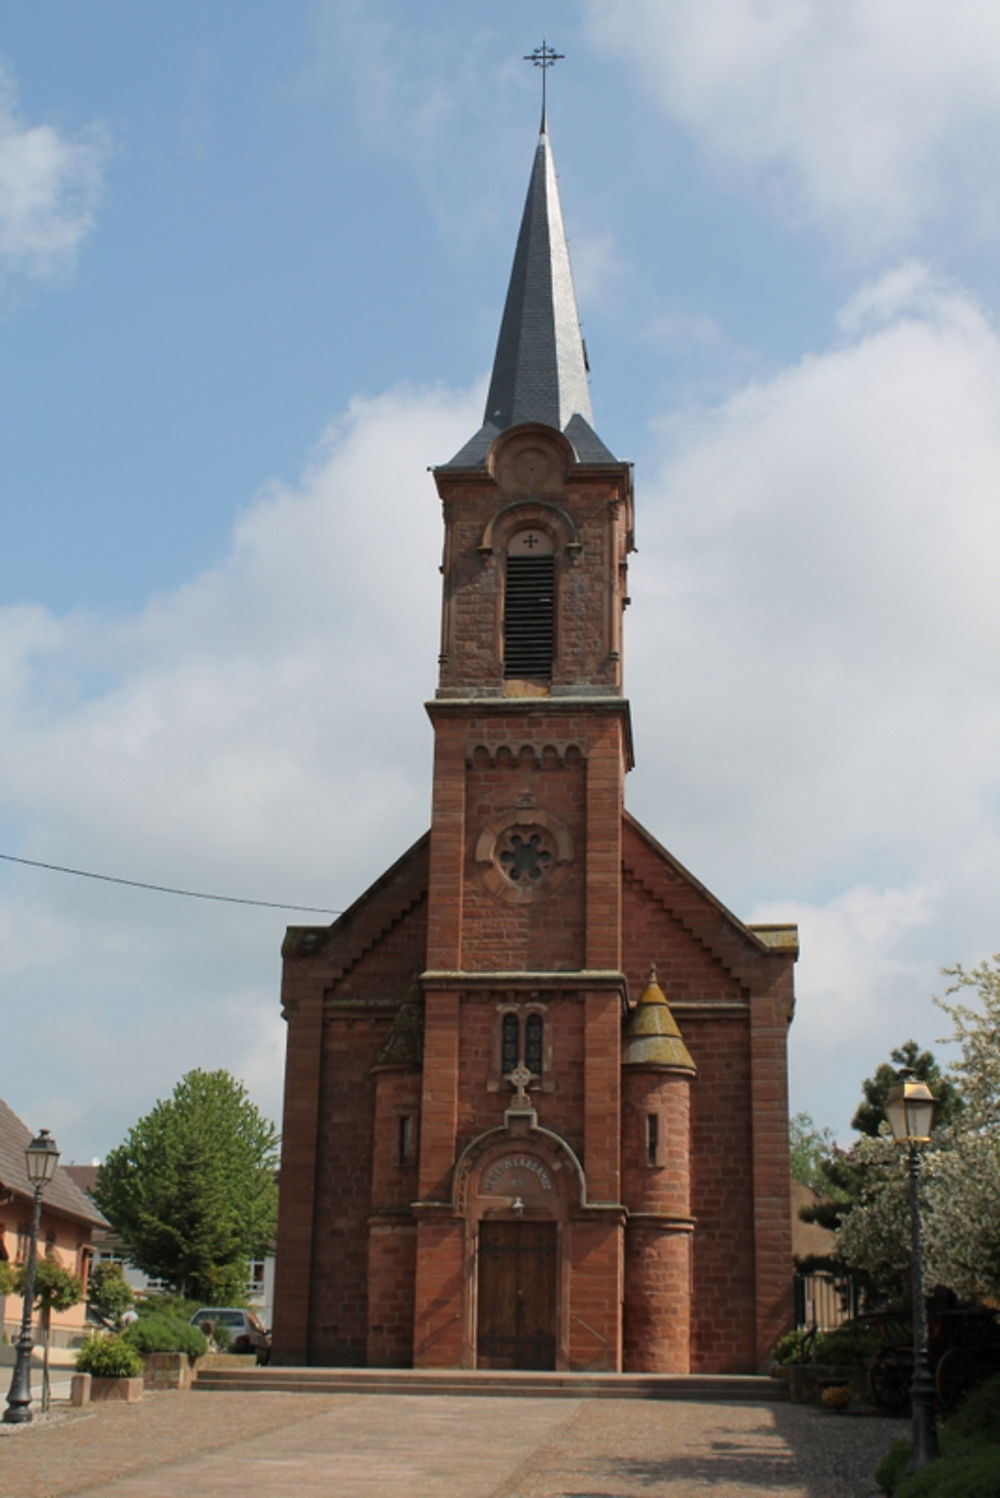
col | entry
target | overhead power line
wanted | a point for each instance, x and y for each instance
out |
(166, 889)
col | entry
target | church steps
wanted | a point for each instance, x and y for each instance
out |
(711, 1388)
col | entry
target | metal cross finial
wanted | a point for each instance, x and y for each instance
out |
(544, 57)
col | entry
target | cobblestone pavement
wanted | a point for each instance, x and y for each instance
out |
(432, 1446)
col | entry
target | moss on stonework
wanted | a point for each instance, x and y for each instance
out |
(404, 1045)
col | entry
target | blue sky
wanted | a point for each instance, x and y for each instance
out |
(252, 260)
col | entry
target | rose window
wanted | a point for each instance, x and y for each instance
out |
(525, 855)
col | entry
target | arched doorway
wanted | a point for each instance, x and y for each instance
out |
(517, 1195)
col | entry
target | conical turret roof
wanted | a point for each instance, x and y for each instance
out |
(652, 1035)
(540, 367)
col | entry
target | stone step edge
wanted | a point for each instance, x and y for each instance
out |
(722, 1387)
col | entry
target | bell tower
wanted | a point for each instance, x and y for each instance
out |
(532, 744)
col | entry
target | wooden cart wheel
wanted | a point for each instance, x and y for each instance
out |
(890, 1374)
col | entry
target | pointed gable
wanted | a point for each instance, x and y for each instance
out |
(726, 957)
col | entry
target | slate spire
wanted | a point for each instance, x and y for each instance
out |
(540, 366)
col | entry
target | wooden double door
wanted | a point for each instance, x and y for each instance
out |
(517, 1295)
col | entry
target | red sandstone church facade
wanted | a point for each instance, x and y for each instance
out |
(535, 1102)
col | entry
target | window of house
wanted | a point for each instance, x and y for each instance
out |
(85, 1258)
(529, 605)
(110, 1256)
(255, 1277)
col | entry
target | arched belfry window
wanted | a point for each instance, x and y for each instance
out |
(530, 605)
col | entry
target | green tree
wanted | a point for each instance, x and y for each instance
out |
(108, 1293)
(192, 1189)
(870, 1115)
(809, 1147)
(56, 1289)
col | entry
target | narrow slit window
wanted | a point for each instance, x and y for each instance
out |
(404, 1138)
(509, 1047)
(530, 606)
(652, 1139)
(533, 1032)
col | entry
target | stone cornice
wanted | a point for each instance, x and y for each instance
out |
(583, 979)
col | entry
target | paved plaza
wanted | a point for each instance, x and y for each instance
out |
(259, 1445)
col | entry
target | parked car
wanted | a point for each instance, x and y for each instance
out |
(246, 1334)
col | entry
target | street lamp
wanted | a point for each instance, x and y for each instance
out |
(909, 1107)
(41, 1157)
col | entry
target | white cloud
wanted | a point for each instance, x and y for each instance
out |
(811, 660)
(258, 733)
(813, 657)
(863, 988)
(598, 269)
(868, 114)
(50, 184)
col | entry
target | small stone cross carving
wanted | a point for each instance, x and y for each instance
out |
(521, 1077)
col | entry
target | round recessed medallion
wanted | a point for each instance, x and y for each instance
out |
(525, 854)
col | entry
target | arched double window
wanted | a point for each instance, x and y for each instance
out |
(522, 1039)
(529, 622)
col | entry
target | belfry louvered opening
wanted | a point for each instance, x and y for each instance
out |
(529, 606)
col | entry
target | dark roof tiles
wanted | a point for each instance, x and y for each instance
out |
(62, 1194)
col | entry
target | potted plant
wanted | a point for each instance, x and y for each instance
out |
(114, 1366)
(169, 1348)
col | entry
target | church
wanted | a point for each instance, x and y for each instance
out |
(535, 1093)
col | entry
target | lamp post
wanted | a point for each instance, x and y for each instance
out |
(909, 1107)
(41, 1157)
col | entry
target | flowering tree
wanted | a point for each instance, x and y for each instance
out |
(963, 1227)
(961, 1167)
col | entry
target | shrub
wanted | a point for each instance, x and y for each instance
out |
(108, 1357)
(965, 1472)
(969, 1466)
(794, 1347)
(108, 1293)
(221, 1336)
(978, 1418)
(165, 1303)
(892, 1468)
(849, 1344)
(163, 1333)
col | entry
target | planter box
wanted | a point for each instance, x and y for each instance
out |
(168, 1370)
(127, 1389)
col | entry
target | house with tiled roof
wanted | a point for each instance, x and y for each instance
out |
(69, 1220)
